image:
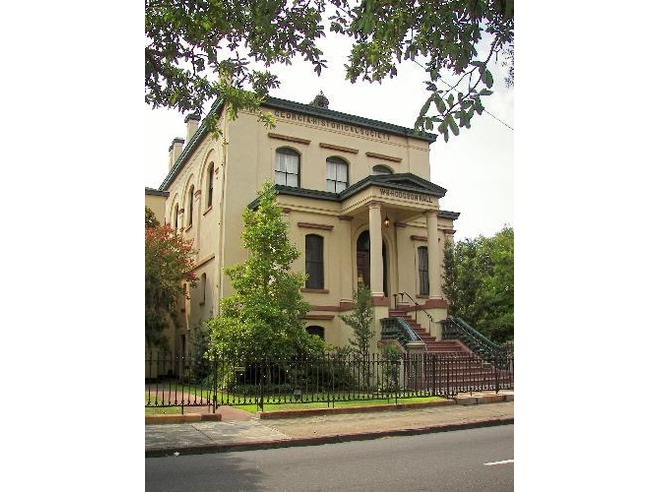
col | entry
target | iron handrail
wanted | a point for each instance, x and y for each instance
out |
(402, 294)
(473, 339)
(396, 328)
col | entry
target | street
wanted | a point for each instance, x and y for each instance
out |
(467, 460)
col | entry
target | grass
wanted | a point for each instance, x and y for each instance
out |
(270, 407)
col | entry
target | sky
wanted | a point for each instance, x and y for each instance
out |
(476, 167)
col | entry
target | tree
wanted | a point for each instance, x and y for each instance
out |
(264, 316)
(200, 50)
(361, 320)
(168, 263)
(479, 283)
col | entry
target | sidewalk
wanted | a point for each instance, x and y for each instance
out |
(239, 430)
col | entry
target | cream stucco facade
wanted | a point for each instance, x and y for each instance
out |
(347, 186)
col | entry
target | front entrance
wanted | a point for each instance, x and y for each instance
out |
(363, 260)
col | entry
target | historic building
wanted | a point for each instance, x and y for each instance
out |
(355, 193)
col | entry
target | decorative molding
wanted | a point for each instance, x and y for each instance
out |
(287, 138)
(345, 217)
(414, 237)
(286, 210)
(384, 157)
(448, 231)
(401, 225)
(339, 148)
(197, 193)
(310, 225)
(320, 316)
(381, 301)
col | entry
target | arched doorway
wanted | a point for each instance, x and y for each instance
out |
(363, 260)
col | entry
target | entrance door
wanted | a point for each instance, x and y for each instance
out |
(363, 266)
(363, 260)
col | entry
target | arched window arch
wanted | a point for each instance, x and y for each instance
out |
(423, 272)
(318, 331)
(286, 169)
(209, 185)
(337, 174)
(381, 169)
(202, 284)
(314, 261)
(190, 205)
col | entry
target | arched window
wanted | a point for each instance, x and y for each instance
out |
(314, 261)
(210, 175)
(175, 221)
(286, 170)
(202, 284)
(423, 271)
(380, 169)
(318, 331)
(190, 206)
(336, 174)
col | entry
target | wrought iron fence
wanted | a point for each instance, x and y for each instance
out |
(188, 381)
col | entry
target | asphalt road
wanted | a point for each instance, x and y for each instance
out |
(467, 460)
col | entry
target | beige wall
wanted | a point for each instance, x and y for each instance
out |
(244, 157)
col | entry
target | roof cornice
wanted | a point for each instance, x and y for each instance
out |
(330, 114)
(274, 102)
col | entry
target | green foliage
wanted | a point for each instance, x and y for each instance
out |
(479, 283)
(361, 320)
(168, 263)
(151, 221)
(199, 50)
(264, 317)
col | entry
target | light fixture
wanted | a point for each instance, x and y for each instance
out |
(386, 221)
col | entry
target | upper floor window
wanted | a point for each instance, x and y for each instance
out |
(211, 172)
(176, 218)
(286, 170)
(336, 174)
(423, 271)
(379, 169)
(314, 261)
(190, 206)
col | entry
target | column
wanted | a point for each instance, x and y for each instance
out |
(346, 257)
(433, 254)
(376, 264)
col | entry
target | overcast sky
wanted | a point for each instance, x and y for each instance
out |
(476, 167)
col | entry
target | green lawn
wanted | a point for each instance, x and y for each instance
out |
(271, 407)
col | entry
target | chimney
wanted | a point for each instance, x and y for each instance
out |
(192, 121)
(174, 150)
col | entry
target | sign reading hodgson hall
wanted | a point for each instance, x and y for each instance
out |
(288, 115)
(406, 195)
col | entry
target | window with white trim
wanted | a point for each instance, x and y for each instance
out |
(337, 175)
(286, 169)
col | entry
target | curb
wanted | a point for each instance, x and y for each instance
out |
(317, 441)
(310, 412)
(183, 419)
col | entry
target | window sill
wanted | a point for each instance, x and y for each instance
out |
(422, 296)
(207, 210)
(315, 291)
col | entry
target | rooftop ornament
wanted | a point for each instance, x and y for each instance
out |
(320, 101)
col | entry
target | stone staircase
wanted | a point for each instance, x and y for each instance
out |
(444, 347)
(467, 372)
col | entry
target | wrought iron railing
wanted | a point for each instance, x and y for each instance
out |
(418, 306)
(457, 329)
(397, 328)
(188, 382)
